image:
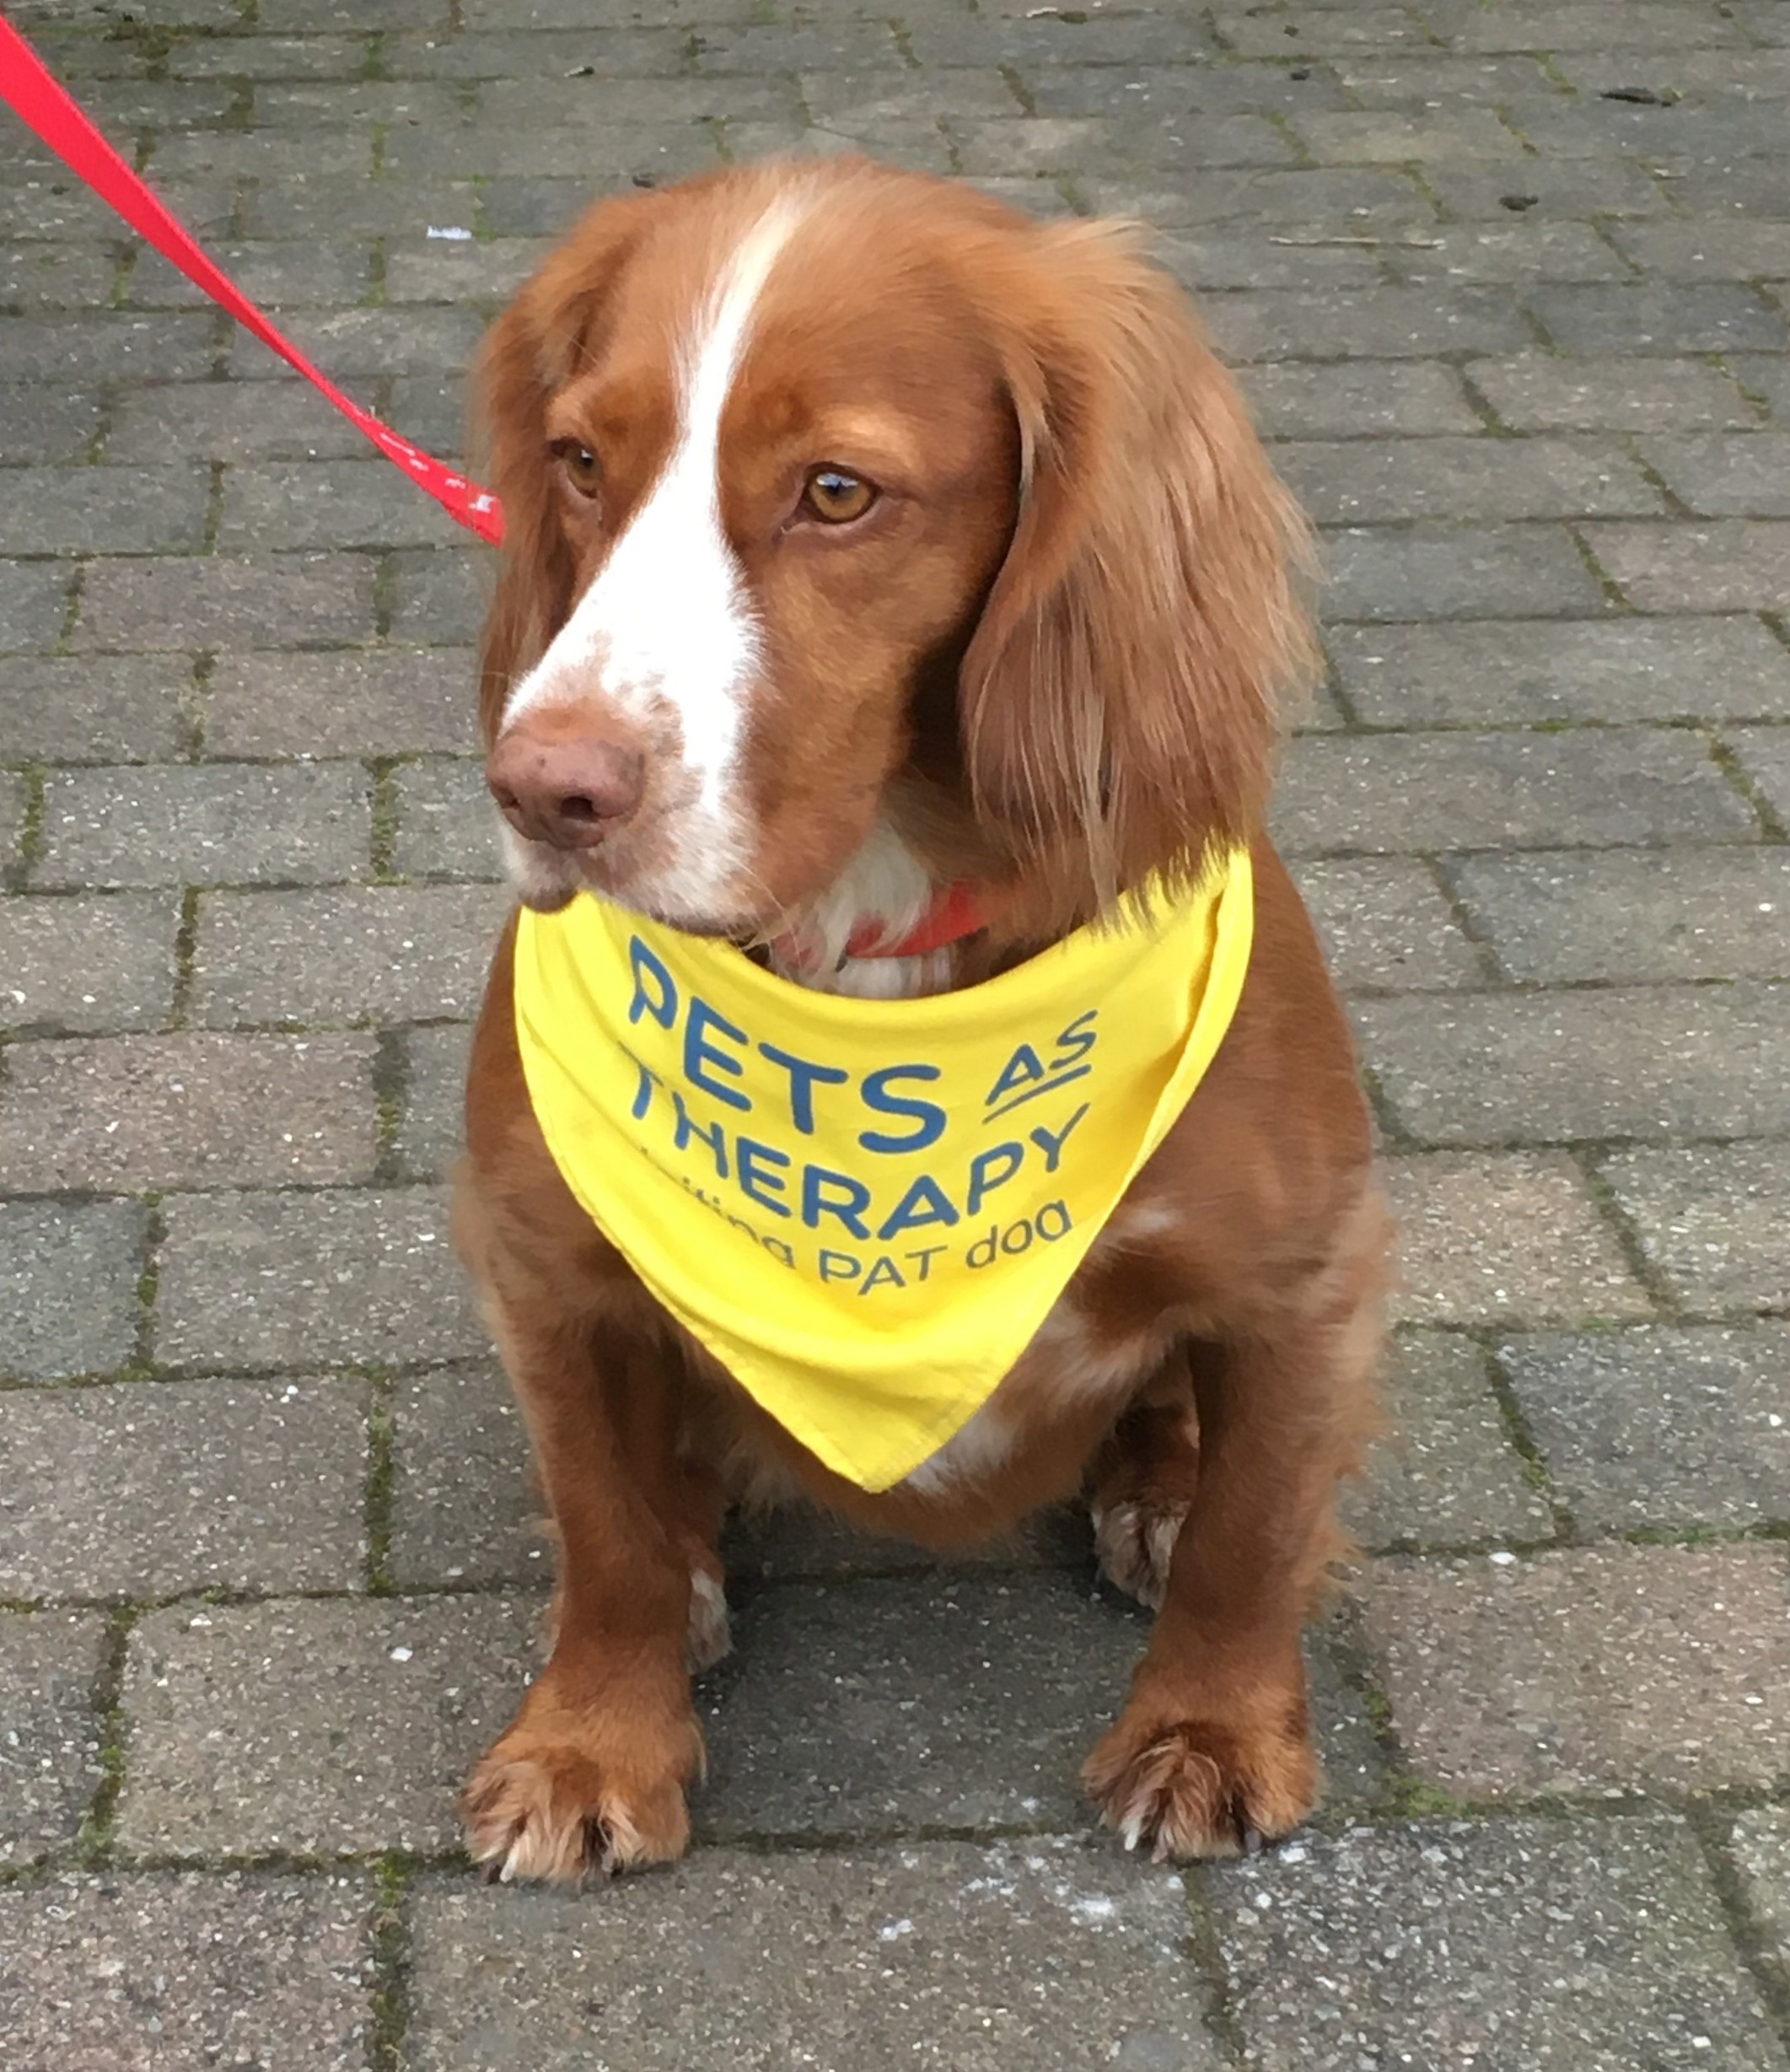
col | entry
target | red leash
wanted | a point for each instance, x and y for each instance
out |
(27, 87)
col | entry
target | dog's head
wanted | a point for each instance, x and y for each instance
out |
(828, 486)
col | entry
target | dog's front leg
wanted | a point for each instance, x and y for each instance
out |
(1212, 1752)
(591, 1772)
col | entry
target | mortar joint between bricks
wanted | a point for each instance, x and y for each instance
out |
(373, 58)
(391, 1964)
(382, 1471)
(31, 845)
(1614, 593)
(1772, 823)
(1629, 443)
(1519, 1435)
(71, 607)
(1621, 1226)
(904, 42)
(1752, 1940)
(1205, 1951)
(391, 1086)
(1016, 87)
(1484, 949)
(93, 1846)
(149, 1284)
(185, 952)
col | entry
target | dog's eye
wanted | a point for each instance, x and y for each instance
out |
(835, 497)
(581, 465)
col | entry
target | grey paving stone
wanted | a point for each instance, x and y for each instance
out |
(1633, 916)
(1718, 249)
(1647, 1062)
(398, 953)
(1538, 392)
(276, 156)
(1386, 927)
(1229, 257)
(80, 965)
(1600, 25)
(1019, 1958)
(1660, 1426)
(207, 824)
(46, 426)
(146, 1488)
(1426, 1945)
(317, 1726)
(1444, 1473)
(447, 824)
(269, 57)
(49, 1731)
(1768, 379)
(1502, 671)
(799, 1543)
(399, 703)
(1601, 1667)
(1398, 137)
(937, 1701)
(1572, 188)
(69, 1273)
(445, 270)
(13, 796)
(1711, 1220)
(1398, 78)
(1351, 398)
(34, 601)
(158, 1973)
(169, 601)
(287, 1280)
(431, 1130)
(100, 709)
(327, 503)
(841, 45)
(1730, 564)
(109, 345)
(928, 1701)
(368, 344)
(1746, 476)
(272, 419)
(1320, 31)
(1504, 1238)
(1364, 481)
(1519, 251)
(1381, 323)
(439, 595)
(1351, 198)
(1472, 791)
(1656, 317)
(1764, 756)
(287, 273)
(122, 1113)
(1760, 1846)
(465, 1508)
(1065, 144)
(542, 53)
(1455, 572)
(1180, 92)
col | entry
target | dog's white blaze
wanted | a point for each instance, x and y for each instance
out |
(667, 624)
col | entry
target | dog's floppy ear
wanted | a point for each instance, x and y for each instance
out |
(531, 351)
(1121, 683)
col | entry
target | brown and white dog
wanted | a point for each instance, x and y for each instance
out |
(868, 541)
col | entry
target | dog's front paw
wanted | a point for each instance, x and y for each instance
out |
(561, 1797)
(1134, 1542)
(1190, 1788)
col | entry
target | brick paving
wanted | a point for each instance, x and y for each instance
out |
(1510, 285)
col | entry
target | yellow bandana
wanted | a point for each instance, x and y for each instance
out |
(864, 1209)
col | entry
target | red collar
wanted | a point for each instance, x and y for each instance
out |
(958, 910)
